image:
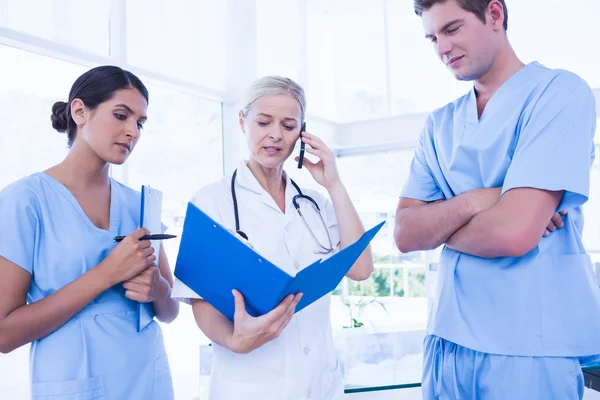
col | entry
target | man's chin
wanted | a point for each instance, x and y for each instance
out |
(463, 76)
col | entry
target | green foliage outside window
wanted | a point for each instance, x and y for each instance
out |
(378, 285)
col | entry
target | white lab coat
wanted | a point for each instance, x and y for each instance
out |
(301, 363)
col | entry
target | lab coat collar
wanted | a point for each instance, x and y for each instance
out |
(246, 179)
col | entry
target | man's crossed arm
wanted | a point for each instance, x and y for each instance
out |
(479, 222)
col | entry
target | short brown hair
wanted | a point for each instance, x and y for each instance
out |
(476, 7)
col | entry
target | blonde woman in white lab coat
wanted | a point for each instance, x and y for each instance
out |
(280, 355)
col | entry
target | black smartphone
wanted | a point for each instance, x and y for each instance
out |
(302, 146)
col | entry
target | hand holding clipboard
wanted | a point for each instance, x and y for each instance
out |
(212, 262)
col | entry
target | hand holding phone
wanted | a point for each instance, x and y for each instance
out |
(302, 146)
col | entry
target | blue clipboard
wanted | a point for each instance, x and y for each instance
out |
(150, 218)
(212, 262)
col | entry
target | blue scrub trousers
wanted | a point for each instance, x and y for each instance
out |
(454, 372)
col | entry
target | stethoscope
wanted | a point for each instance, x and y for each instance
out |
(300, 195)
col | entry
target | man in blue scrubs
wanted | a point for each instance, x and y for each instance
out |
(495, 172)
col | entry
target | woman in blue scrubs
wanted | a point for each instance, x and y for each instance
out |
(67, 287)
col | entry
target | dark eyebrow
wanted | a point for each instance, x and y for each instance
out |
(446, 26)
(130, 111)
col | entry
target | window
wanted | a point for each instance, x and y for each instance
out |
(379, 324)
(591, 213)
(79, 24)
(280, 35)
(179, 152)
(419, 82)
(182, 39)
(560, 37)
(346, 60)
(29, 86)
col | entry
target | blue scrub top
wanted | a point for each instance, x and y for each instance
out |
(98, 353)
(536, 131)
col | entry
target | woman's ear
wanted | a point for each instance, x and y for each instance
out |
(78, 112)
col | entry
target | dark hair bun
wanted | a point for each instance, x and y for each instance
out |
(59, 116)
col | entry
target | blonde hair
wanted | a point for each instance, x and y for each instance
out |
(273, 85)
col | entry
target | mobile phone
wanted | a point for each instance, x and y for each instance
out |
(302, 146)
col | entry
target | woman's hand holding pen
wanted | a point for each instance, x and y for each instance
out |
(130, 257)
(325, 170)
(250, 333)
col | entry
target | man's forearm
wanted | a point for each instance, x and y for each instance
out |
(483, 236)
(427, 226)
(511, 228)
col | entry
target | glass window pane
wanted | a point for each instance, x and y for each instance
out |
(180, 38)
(80, 24)
(591, 212)
(346, 60)
(419, 82)
(279, 34)
(181, 150)
(561, 36)
(379, 324)
(28, 144)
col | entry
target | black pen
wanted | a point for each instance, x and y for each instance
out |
(159, 236)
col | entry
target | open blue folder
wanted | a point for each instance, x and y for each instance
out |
(212, 262)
